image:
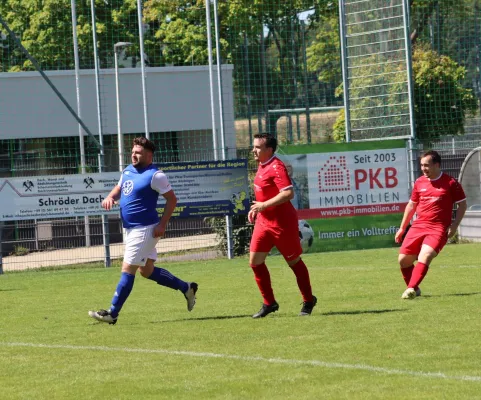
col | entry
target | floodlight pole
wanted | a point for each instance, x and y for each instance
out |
(211, 78)
(105, 224)
(118, 47)
(142, 68)
(228, 218)
(79, 109)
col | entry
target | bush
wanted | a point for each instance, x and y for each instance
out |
(20, 251)
(241, 232)
(441, 104)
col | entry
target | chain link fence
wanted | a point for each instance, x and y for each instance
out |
(286, 80)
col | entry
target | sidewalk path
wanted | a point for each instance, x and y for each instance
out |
(96, 253)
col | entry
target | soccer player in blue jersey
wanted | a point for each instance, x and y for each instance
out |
(138, 191)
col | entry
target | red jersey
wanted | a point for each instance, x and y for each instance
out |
(271, 178)
(435, 199)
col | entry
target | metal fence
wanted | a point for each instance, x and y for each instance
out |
(287, 80)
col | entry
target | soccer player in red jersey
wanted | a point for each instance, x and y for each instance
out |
(433, 197)
(276, 224)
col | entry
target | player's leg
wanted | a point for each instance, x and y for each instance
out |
(406, 263)
(122, 292)
(261, 244)
(164, 278)
(290, 247)
(431, 247)
(408, 253)
(301, 272)
(138, 243)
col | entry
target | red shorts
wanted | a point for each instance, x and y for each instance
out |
(287, 241)
(417, 236)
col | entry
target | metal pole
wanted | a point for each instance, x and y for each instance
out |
(409, 67)
(105, 227)
(1, 241)
(79, 109)
(264, 79)
(228, 218)
(248, 86)
(219, 81)
(294, 77)
(306, 82)
(120, 139)
(142, 68)
(345, 72)
(211, 78)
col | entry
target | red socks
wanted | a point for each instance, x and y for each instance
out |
(263, 279)
(303, 281)
(418, 274)
(407, 273)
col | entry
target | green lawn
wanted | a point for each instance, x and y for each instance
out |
(362, 341)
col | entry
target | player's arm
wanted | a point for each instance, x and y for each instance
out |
(282, 197)
(461, 210)
(408, 215)
(112, 197)
(161, 184)
(171, 202)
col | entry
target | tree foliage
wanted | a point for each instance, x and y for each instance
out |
(441, 103)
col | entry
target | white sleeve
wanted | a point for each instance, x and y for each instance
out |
(160, 183)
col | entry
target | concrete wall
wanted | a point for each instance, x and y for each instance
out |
(470, 227)
(178, 100)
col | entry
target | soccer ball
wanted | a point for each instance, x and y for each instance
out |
(306, 234)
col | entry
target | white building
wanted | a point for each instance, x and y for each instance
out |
(179, 109)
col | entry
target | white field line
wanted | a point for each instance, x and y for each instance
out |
(315, 363)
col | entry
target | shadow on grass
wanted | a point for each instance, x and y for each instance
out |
(8, 290)
(213, 318)
(452, 294)
(359, 312)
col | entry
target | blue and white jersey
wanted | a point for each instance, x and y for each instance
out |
(140, 189)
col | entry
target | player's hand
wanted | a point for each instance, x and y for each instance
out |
(451, 232)
(251, 216)
(159, 231)
(399, 235)
(108, 203)
(258, 206)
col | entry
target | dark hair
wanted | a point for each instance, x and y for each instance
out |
(434, 156)
(271, 141)
(145, 143)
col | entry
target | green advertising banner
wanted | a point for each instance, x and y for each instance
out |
(348, 196)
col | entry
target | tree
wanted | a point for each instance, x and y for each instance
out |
(442, 98)
(45, 30)
(259, 28)
(441, 103)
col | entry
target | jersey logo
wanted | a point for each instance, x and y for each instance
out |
(423, 190)
(127, 187)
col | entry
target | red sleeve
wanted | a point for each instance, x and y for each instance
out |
(281, 177)
(457, 191)
(415, 193)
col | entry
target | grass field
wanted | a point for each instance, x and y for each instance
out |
(362, 341)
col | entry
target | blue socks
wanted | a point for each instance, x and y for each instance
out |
(165, 278)
(122, 292)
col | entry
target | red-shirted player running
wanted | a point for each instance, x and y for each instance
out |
(276, 224)
(432, 199)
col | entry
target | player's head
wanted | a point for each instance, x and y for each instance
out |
(142, 152)
(264, 146)
(431, 164)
